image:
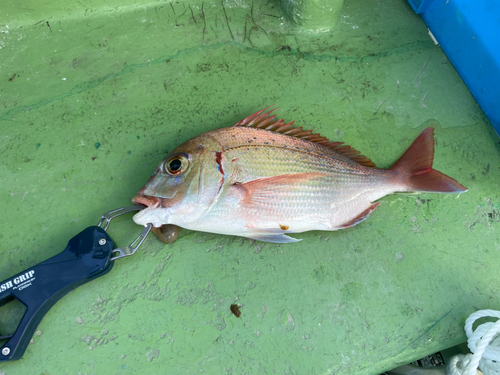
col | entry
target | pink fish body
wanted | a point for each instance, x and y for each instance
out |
(263, 179)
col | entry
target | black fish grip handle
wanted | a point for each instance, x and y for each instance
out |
(87, 256)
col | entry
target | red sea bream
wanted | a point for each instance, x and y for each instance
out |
(263, 179)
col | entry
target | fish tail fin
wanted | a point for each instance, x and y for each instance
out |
(415, 166)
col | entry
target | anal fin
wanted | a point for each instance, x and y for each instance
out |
(361, 217)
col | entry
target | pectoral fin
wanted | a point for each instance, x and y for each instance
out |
(264, 189)
(270, 235)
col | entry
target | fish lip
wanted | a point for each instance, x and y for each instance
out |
(152, 202)
(150, 215)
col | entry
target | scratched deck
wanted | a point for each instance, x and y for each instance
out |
(92, 98)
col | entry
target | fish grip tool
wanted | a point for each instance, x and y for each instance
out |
(88, 255)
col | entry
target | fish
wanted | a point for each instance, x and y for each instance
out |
(264, 179)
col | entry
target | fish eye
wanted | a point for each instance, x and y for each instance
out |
(176, 164)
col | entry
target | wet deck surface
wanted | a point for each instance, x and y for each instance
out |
(89, 105)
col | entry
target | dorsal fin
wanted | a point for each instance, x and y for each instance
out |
(268, 122)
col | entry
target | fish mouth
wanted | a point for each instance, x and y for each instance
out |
(151, 202)
(150, 214)
(166, 233)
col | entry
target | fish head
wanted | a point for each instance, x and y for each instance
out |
(183, 185)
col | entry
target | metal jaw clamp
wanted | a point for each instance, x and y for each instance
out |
(132, 248)
(88, 255)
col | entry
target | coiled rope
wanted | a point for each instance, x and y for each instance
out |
(484, 343)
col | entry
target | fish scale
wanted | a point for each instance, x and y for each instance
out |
(304, 208)
(263, 178)
(277, 161)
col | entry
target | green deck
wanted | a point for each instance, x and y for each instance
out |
(92, 100)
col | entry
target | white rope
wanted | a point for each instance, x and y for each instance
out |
(484, 343)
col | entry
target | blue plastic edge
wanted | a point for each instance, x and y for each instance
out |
(469, 34)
